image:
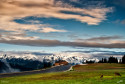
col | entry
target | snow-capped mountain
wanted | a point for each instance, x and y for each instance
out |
(70, 58)
(16, 56)
(29, 61)
(6, 68)
(16, 63)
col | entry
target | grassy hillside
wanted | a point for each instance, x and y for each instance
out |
(82, 74)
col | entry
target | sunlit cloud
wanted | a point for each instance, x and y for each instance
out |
(100, 39)
(53, 43)
(47, 30)
(17, 9)
(10, 10)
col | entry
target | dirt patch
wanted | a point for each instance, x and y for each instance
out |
(76, 66)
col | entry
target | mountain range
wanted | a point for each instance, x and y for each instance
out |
(27, 62)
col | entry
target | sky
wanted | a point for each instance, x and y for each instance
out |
(49, 26)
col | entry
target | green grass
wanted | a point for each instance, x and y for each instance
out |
(86, 74)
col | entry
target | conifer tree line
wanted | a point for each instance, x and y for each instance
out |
(112, 60)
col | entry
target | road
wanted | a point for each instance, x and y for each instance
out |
(49, 70)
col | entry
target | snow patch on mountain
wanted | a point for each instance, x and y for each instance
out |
(72, 58)
(19, 56)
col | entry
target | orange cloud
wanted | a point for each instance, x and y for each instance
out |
(16, 9)
(47, 30)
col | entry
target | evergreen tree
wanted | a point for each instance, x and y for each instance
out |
(116, 60)
(123, 59)
(105, 60)
(112, 60)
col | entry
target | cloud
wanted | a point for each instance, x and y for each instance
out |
(17, 9)
(103, 38)
(101, 52)
(11, 10)
(123, 22)
(47, 30)
(37, 53)
(120, 21)
(0, 35)
(20, 38)
(16, 36)
(71, 54)
(51, 43)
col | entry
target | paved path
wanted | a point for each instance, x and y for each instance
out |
(53, 69)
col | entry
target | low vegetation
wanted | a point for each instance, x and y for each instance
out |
(100, 73)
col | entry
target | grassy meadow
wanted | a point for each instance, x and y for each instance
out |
(81, 74)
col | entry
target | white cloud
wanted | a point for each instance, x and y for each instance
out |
(18, 9)
(71, 54)
(47, 30)
(16, 36)
(4, 37)
(15, 9)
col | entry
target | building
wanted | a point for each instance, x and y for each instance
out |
(61, 62)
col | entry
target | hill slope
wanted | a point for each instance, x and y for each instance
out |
(83, 74)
